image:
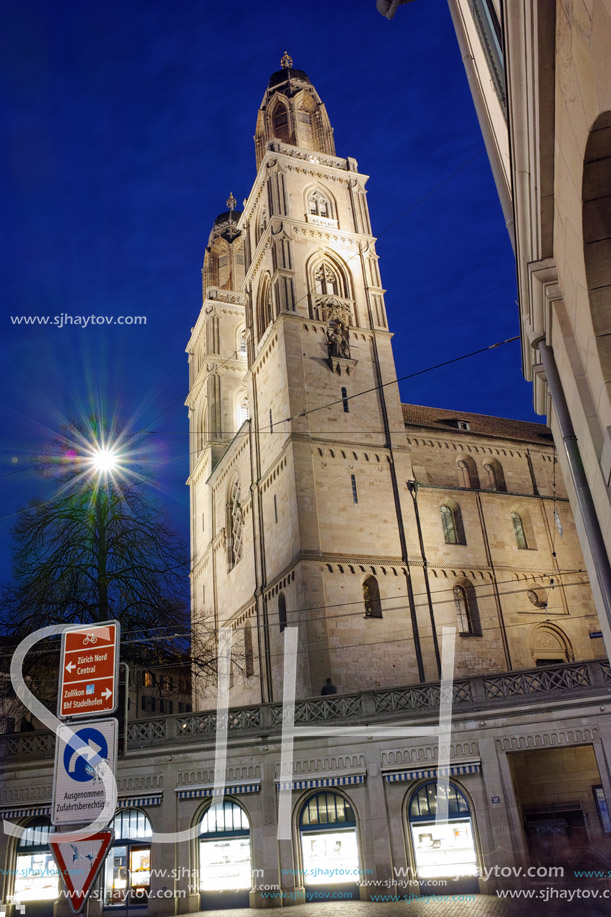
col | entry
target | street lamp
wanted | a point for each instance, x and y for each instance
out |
(104, 460)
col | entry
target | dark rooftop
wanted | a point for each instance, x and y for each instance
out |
(287, 73)
(483, 424)
(228, 216)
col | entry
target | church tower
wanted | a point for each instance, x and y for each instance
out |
(299, 501)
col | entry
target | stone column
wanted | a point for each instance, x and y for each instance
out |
(265, 848)
(187, 859)
(164, 860)
(374, 831)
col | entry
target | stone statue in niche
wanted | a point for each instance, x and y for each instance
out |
(338, 340)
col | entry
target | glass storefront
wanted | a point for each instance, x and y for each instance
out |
(445, 849)
(329, 843)
(36, 875)
(224, 856)
(127, 871)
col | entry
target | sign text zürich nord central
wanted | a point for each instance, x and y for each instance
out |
(89, 670)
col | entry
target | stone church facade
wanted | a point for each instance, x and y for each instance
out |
(310, 500)
(380, 534)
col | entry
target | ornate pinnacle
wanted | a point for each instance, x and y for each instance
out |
(231, 201)
(287, 61)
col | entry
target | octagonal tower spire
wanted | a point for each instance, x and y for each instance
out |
(292, 112)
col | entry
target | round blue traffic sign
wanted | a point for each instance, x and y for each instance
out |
(81, 765)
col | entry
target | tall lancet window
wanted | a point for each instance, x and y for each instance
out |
(235, 525)
(243, 413)
(325, 281)
(280, 123)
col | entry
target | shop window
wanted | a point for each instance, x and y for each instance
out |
(224, 849)
(371, 598)
(127, 872)
(36, 876)
(329, 841)
(442, 848)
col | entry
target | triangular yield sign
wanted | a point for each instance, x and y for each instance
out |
(79, 863)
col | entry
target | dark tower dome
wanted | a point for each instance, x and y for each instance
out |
(224, 257)
(286, 74)
(292, 112)
(226, 225)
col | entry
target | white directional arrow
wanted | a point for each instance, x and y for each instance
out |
(87, 753)
(107, 693)
(70, 666)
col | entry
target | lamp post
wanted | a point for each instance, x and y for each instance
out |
(104, 460)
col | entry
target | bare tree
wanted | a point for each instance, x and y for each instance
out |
(100, 547)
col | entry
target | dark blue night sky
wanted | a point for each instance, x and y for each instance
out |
(128, 124)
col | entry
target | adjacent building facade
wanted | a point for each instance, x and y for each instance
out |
(539, 77)
(381, 538)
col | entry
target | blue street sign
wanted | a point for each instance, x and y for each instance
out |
(80, 784)
(81, 765)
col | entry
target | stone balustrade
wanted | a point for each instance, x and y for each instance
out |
(410, 702)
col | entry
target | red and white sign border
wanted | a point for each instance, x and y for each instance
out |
(78, 901)
(108, 711)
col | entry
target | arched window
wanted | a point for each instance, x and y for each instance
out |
(318, 204)
(443, 847)
(326, 282)
(305, 118)
(467, 614)
(127, 871)
(280, 123)
(261, 225)
(201, 425)
(243, 411)
(327, 825)
(249, 660)
(241, 341)
(265, 311)
(468, 473)
(519, 532)
(234, 525)
(496, 477)
(36, 875)
(224, 854)
(371, 598)
(451, 523)
(282, 611)
(424, 802)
